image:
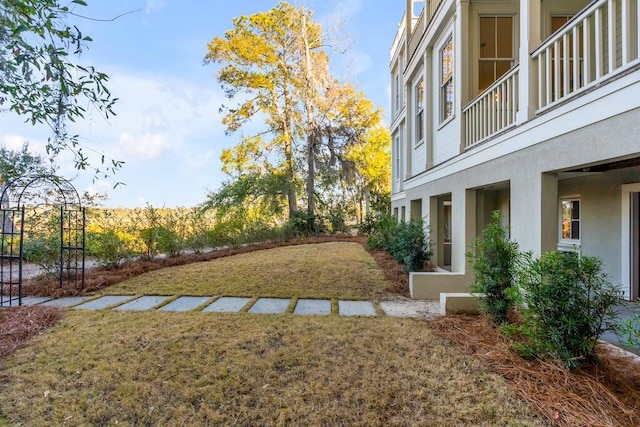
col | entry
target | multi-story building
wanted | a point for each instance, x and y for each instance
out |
(529, 107)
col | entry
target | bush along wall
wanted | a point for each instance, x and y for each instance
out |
(407, 242)
(565, 301)
(569, 304)
(494, 259)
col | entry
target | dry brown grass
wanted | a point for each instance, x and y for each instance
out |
(153, 368)
(604, 395)
(327, 270)
(325, 370)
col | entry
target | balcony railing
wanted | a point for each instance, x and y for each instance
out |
(600, 41)
(422, 23)
(493, 111)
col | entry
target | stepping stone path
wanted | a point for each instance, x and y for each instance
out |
(356, 308)
(104, 302)
(65, 302)
(270, 306)
(313, 306)
(227, 304)
(184, 304)
(142, 303)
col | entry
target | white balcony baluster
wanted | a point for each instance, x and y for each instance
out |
(493, 111)
(600, 41)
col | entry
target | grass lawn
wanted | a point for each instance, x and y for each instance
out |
(326, 270)
(155, 368)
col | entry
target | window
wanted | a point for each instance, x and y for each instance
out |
(557, 21)
(396, 94)
(419, 91)
(397, 156)
(446, 82)
(496, 49)
(570, 216)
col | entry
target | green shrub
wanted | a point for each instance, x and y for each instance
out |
(570, 303)
(629, 330)
(409, 245)
(169, 242)
(43, 252)
(494, 259)
(303, 225)
(109, 248)
(379, 230)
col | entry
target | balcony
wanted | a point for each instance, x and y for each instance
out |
(421, 23)
(596, 44)
(599, 43)
(493, 111)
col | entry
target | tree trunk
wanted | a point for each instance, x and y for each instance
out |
(311, 175)
(292, 198)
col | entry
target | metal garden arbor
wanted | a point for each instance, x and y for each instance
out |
(31, 207)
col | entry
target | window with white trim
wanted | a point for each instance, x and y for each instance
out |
(570, 220)
(419, 97)
(396, 93)
(497, 53)
(397, 157)
(446, 81)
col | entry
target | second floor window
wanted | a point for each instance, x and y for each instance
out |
(397, 157)
(446, 82)
(496, 49)
(419, 111)
(396, 95)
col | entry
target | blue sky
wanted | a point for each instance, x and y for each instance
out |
(168, 128)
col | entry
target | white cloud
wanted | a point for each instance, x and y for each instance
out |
(153, 5)
(13, 142)
(147, 146)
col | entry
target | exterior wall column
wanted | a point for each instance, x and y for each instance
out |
(461, 71)
(530, 38)
(429, 102)
(463, 227)
(534, 211)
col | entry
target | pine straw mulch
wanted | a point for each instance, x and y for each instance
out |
(99, 278)
(18, 324)
(604, 395)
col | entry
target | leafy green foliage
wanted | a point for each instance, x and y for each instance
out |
(379, 229)
(274, 68)
(629, 330)
(410, 245)
(14, 164)
(570, 303)
(43, 251)
(301, 224)
(109, 248)
(40, 79)
(405, 241)
(494, 259)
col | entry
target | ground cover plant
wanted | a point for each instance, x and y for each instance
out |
(326, 270)
(605, 394)
(99, 368)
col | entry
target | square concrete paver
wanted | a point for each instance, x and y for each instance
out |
(34, 300)
(64, 302)
(411, 308)
(356, 308)
(270, 306)
(184, 304)
(104, 302)
(313, 306)
(227, 304)
(142, 303)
